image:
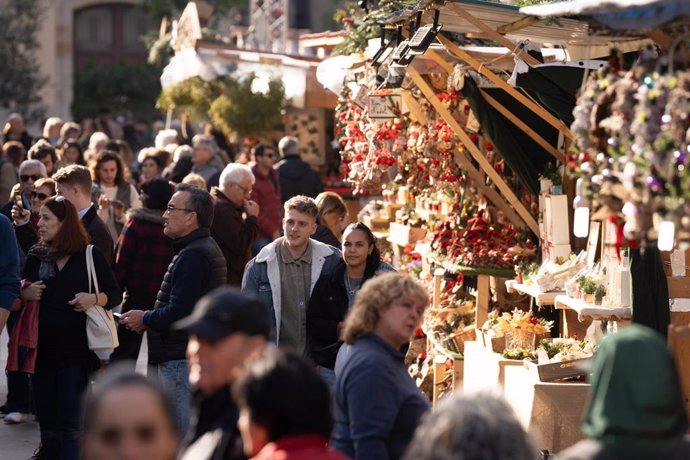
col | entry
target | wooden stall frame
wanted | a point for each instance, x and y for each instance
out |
(510, 196)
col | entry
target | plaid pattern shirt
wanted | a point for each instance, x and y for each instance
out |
(142, 257)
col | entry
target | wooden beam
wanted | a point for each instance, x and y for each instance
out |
(474, 150)
(489, 31)
(517, 25)
(479, 67)
(557, 154)
(491, 194)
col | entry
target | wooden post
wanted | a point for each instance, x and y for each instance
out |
(438, 277)
(479, 67)
(557, 154)
(474, 151)
(489, 31)
(483, 298)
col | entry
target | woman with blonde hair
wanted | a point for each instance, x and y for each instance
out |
(332, 213)
(377, 404)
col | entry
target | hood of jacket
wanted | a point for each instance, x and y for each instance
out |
(293, 168)
(146, 214)
(635, 402)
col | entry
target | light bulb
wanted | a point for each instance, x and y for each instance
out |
(667, 233)
(581, 224)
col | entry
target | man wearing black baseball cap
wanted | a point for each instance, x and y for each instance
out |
(226, 329)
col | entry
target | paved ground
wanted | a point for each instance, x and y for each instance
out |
(18, 442)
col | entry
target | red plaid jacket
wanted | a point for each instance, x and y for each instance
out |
(142, 256)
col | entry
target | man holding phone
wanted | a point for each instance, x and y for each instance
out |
(29, 172)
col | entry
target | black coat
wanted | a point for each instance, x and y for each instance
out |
(326, 236)
(297, 177)
(100, 237)
(215, 415)
(197, 268)
(328, 306)
(62, 330)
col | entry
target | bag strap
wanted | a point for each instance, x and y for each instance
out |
(91, 269)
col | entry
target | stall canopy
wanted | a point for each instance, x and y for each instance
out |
(621, 15)
(580, 39)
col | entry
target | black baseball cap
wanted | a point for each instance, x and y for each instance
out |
(225, 311)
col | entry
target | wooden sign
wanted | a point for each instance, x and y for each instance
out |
(384, 106)
(593, 242)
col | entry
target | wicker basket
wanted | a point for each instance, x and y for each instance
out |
(520, 339)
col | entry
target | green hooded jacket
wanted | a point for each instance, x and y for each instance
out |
(635, 408)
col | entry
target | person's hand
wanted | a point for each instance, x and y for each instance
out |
(34, 291)
(133, 320)
(83, 301)
(20, 216)
(252, 208)
(103, 201)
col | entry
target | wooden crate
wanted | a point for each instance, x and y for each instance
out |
(559, 371)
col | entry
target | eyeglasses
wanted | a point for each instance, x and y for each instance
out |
(40, 196)
(171, 208)
(269, 155)
(26, 177)
(244, 189)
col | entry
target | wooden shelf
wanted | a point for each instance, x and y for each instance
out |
(471, 271)
(540, 298)
(588, 311)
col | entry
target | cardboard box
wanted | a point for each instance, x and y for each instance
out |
(404, 234)
(556, 219)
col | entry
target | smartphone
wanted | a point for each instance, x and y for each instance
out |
(117, 315)
(22, 202)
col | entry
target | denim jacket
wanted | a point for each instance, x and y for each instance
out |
(262, 275)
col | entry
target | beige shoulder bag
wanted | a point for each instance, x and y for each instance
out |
(101, 331)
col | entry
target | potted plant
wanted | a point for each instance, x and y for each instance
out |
(520, 270)
(588, 288)
(599, 294)
(551, 180)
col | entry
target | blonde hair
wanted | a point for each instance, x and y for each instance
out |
(328, 202)
(376, 296)
(195, 179)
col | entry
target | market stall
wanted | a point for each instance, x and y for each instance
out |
(526, 277)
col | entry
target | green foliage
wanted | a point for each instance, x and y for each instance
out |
(20, 73)
(360, 26)
(122, 87)
(228, 103)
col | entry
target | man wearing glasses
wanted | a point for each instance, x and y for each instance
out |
(235, 220)
(29, 172)
(267, 194)
(197, 268)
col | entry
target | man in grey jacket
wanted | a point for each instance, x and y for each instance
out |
(284, 273)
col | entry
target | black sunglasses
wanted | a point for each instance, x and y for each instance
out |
(40, 196)
(26, 177)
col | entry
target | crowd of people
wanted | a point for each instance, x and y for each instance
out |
(274, 330)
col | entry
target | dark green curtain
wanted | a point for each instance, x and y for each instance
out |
(524, 157)
(650, 289)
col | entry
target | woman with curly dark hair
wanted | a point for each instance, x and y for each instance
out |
(57, 271)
